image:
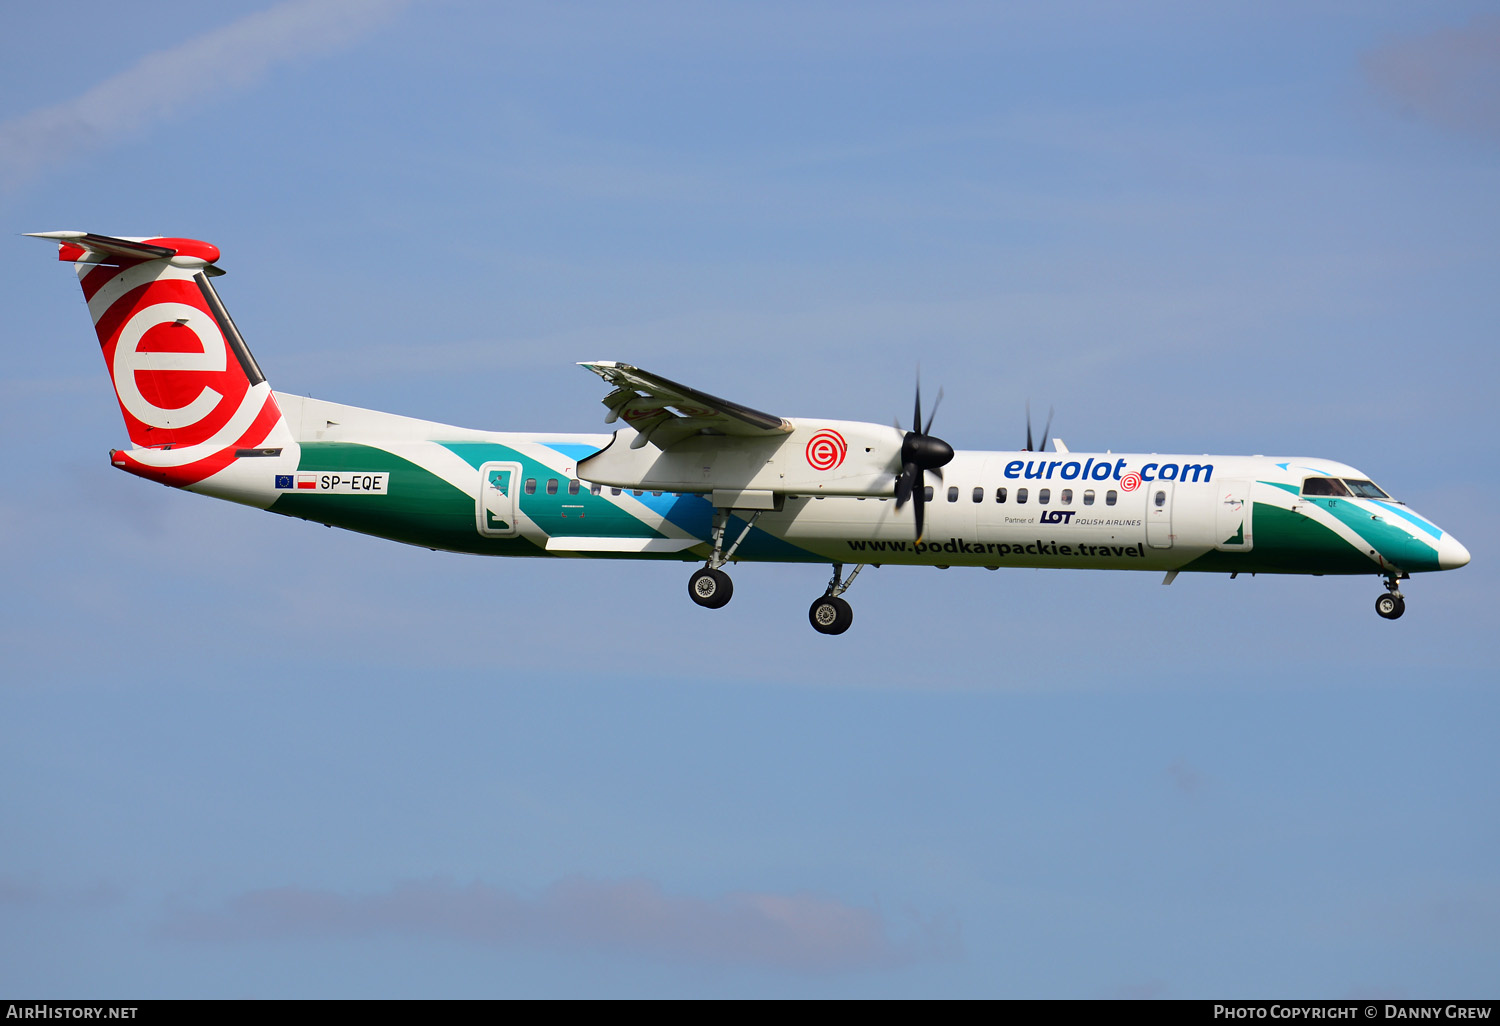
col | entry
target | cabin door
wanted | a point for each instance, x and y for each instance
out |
(1158, 514)
(1232, 519)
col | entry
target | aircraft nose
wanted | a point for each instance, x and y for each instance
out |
(1451, 554)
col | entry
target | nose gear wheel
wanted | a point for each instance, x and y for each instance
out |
(1391, 605)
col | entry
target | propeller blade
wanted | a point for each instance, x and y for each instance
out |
(916, 417)
(936, 403)
(905, 482)
(921, 454)
(1046, 429)
(1028, 427)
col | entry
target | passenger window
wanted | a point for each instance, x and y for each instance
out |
(658, 493)
(573, 486)
(927, 493)
(1110, 497)
(1044, 496)
(1067, 497)
(1088, 496)
(953, 494)
(999, 494)
(636, 491)
(1161, 499)
(530, 488)
(1020, 495)
(551, 486)
(978, 494)
(614, 491)
(595, 489)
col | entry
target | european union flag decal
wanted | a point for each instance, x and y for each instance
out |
(283, 480)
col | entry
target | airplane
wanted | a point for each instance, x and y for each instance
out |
(689, 476)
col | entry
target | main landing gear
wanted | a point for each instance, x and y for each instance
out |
(711, 587)
(830, 614)
(1391, 605)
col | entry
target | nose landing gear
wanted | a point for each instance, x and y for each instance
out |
(1391, 605)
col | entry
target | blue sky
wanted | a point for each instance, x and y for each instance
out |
(246, 756)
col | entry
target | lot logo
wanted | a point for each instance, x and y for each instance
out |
(826, 450)
(1057, 516)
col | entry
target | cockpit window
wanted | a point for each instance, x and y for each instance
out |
(1324, 486)
(1365, 489)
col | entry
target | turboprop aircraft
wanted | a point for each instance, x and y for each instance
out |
(691, 477)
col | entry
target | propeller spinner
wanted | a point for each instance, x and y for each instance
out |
(921, 453)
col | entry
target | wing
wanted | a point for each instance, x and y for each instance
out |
(664, 412)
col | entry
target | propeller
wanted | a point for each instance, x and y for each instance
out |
(1045, 430)
(921, 453)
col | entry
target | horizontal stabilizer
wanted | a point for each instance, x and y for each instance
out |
(88, 248)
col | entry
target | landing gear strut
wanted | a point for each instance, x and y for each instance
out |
(1391, 605)
(711, 587)
(830, 614)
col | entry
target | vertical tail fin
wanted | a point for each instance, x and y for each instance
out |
(189, 390)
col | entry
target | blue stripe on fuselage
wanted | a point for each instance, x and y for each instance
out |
(1430, 528)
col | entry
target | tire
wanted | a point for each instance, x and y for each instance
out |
(1390, 606)
(710, 588)
(830, 615)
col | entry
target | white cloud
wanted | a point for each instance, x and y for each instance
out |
(168, 82)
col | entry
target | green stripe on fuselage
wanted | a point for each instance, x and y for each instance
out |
(1396, 544)
(419, 507)
(1288, 543)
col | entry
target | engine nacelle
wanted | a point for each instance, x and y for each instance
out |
(818, 457)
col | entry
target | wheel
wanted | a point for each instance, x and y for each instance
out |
(1390, 606)
(830, 615)
(710, 588)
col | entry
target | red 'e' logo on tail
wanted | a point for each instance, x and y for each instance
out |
(175, 377)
